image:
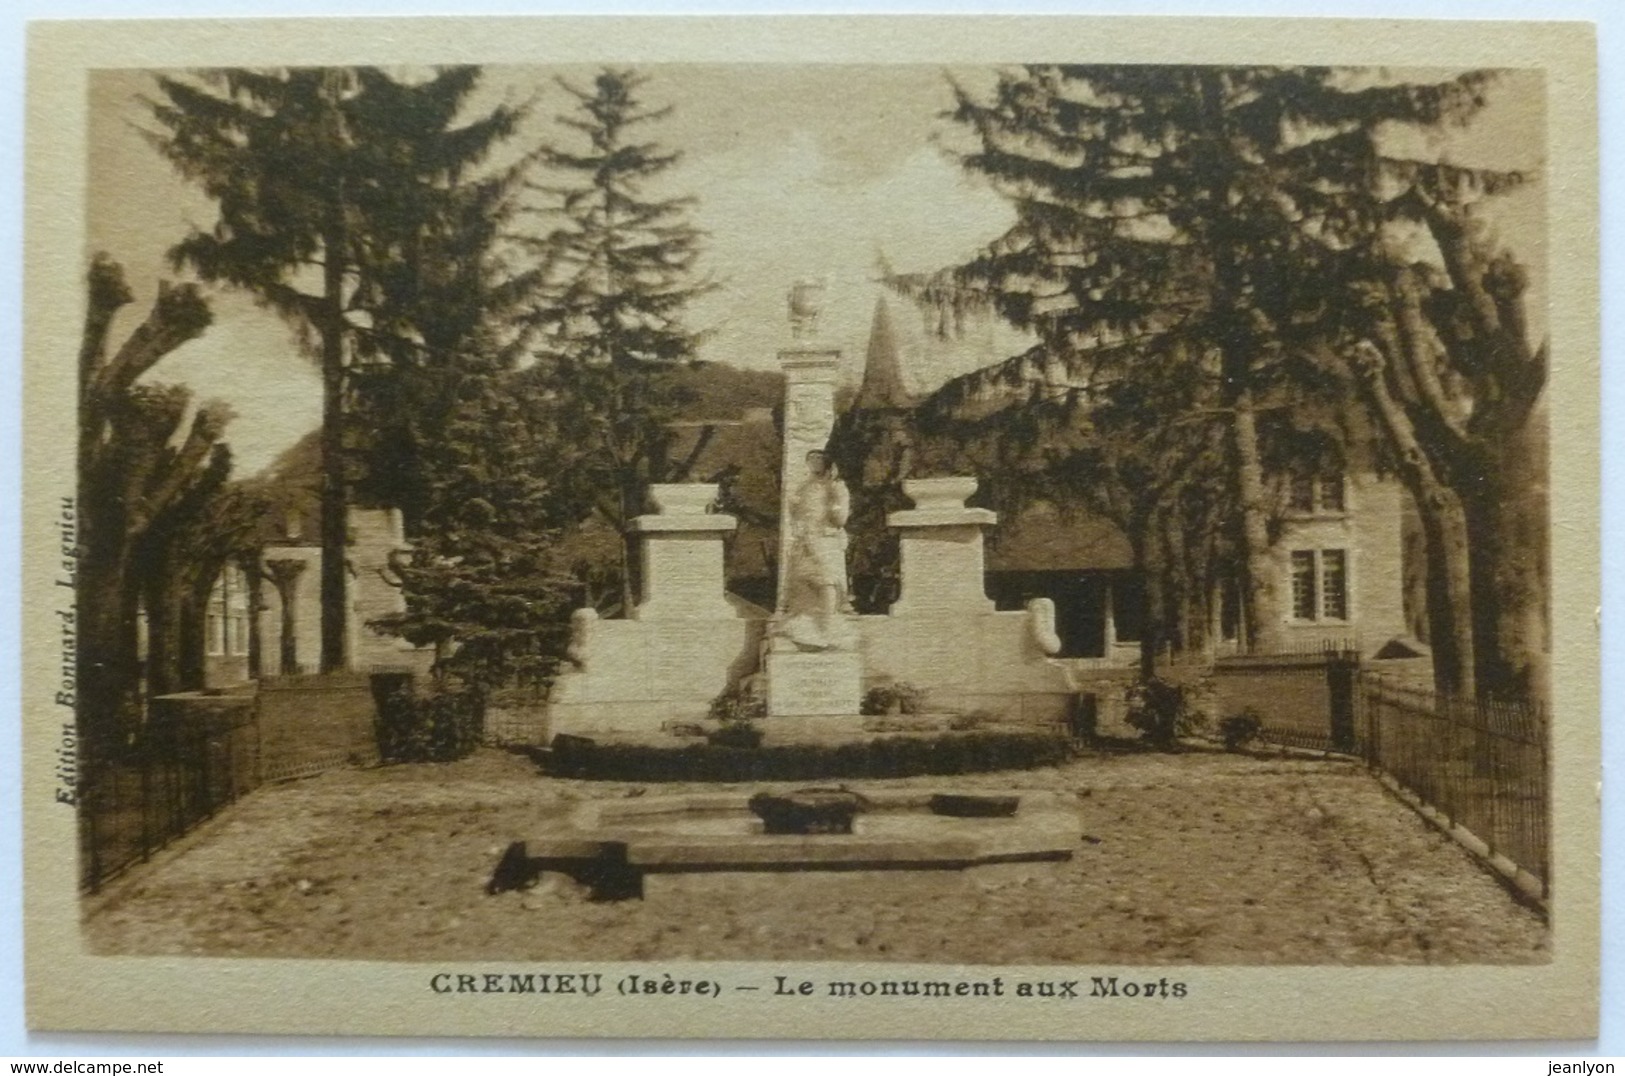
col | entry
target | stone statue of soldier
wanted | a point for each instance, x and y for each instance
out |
(816, 591)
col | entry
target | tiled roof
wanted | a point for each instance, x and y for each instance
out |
(1043, 539)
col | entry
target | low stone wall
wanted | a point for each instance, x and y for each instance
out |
(635, 675)
(1049, 711)
(988, 661)
(276, 728)
(312, 723)
(214, 734)
(1288, 693)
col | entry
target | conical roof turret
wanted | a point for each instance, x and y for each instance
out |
(883, 386)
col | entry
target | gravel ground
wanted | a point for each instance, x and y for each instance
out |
(1191, 858)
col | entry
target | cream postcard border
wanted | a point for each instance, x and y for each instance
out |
(69, 989)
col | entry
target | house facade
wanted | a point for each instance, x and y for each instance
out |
(1338, 556)
(1340, 561)
(278, 631)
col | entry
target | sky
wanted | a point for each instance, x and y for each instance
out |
(803, 172)
(797, 171)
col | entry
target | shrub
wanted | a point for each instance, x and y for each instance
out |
(738, 703)
(972, 719)
(1157, 707)
(737, 708)
(892, 698)
(1239, 730)
(438, 725)
(900, 756)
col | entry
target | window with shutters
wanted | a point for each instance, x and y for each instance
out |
(1303, 584)
(1320, 584)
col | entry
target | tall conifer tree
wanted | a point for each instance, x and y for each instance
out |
(617, 272)
(321, 177)
(1195, 222)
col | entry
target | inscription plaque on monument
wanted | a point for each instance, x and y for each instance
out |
(811, 684)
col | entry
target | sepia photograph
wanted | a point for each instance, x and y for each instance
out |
(833, 540)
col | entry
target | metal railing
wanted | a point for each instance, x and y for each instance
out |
(174, 773)
(1482, 765)
(1478, 767)
(196, 753)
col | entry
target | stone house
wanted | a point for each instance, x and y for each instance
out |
(282, 628)
(1340, 561)
(1339, 554)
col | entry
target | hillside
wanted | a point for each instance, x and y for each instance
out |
(742, 451)
(727, 392)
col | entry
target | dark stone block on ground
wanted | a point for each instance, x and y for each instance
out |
(811, 811)
(963, 806)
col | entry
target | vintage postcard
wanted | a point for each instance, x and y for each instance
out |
(929, 528)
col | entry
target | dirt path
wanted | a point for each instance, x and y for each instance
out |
(1199, 858)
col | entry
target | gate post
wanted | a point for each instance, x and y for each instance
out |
(1342, 678)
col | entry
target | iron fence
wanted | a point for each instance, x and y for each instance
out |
(176, 771)
(195, 753)
(1481, 764)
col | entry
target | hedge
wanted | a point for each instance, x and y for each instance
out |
(436, 725)
(898, 756)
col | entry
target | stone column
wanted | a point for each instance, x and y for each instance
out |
(810, 377)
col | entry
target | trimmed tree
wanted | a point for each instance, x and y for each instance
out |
(1443, 356)
(218, 524)
(144, 469)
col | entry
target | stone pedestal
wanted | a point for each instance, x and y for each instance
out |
(680, 648)
(813, 683)
(940, 542)
(683, 555)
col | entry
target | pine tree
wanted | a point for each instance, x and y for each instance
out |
(487, 583)
(323, 179)
(617, 271)
(448, 434)
(445, 298)
(1191, 222)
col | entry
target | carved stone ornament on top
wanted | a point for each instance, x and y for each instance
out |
(806, 301)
